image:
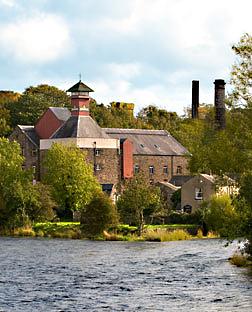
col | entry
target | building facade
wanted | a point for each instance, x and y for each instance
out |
(115, 154)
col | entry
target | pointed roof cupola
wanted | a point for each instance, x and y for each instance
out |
(80, 99)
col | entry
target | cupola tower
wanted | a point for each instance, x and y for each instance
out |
(80, 99)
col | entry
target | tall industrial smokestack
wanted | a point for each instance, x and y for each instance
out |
(195, 99)
(219, 97)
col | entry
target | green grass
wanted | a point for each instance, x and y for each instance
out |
(122, 232)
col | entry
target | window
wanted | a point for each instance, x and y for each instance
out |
(97, 152)
(165, 169)
(151, 169)
(179, 170)
(23, 151)
(34, 152)
(97, 167)
(136, 169)
(187, 208)
(198, 193)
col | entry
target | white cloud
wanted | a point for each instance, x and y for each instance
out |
(42, 38)
(124, 70)
(8, 3)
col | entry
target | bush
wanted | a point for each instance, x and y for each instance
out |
(98, 215)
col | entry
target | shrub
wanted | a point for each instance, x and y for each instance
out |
(98, 215)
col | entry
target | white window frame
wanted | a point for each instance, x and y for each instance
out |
(198, 193)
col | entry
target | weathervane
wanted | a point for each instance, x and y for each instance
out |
(80, 76)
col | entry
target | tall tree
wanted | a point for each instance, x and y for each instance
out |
(138, 200)
(241, 75)
(70, 176)
(16, 190)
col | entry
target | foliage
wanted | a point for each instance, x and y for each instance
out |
(138, 200)
(16, 189)
(241, 75)
(98, 215)
(220, 215)
(33, 103)
(5, 98)
(71, 178)
(43, 207)
(58, 229)
(156, 118)
(244, 209)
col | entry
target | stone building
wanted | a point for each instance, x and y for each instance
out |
(201, 187)
(115, 154)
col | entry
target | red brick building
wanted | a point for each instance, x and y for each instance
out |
(115, 154)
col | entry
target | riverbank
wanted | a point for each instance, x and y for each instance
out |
(72, 230)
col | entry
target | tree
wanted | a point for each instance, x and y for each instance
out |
(98, 215)
(241, 75)
(5, 98)
(34, 102)
(16, 189)
(71, 178)
(220, 215)
(156, 118)
(244, 209)
(138, 200)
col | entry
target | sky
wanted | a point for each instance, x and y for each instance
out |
(141, 51)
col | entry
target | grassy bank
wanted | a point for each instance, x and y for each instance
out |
(157, 233)
(241, 260)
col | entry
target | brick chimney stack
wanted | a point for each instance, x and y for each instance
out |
(195, 99)
(219, 98)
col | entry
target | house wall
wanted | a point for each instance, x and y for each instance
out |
(47, 125)
(188, 192)
(28, 149)
(145, 161)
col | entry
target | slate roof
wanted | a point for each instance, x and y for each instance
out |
(62, 113)
(80, 127)
(30, 132)
(80, 87)
(179, 180)
(149, 142)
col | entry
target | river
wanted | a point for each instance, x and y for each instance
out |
(76, 275)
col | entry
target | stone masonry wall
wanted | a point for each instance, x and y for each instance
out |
(28, 149)
(158, 162)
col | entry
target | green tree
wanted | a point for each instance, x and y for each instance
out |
(5, 98)
(241, 75)
(16, 189)
(71, 178)
(138, 200)
(156, 118)
(220, 215)
(98, 215)
(33, 103)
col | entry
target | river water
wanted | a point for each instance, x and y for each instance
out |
(77, 275)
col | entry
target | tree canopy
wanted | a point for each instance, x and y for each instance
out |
(34, 101)
(139, 199)
(70, 176)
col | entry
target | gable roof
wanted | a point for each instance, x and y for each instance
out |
(80, 127)
(80, 87)
(31, 134)
(149, 142)
(62, 113)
